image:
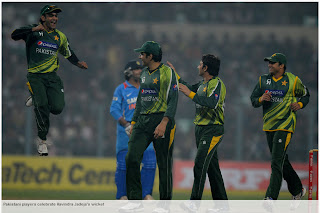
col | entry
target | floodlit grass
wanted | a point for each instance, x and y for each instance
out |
(9, 194)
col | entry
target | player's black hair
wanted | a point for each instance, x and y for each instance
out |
(156, 58)
(128, 74)
(212, 62)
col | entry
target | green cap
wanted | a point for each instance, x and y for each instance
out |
(50, 9)
(277, 57)
(150, 47)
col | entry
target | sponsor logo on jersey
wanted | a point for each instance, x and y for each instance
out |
(148, 91)
(45, 51)
(47, 44)
(276, 99)
(115, 98)
(131, 100)
(175, 87)
(268, 81)
(275, 92)
(150, 98)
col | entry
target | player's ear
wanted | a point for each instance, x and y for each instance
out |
(205, 68)
(42, 18)
(282, 66)
(151, 56)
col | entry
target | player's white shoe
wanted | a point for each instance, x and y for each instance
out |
(296, 200)
(29, 102)
(189, 206)
(268, 204)
(300, 195)
(42, 147)
(132, 207)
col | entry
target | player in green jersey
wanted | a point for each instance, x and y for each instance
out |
(209, 97)
(153, 120)
(43, 43)
(281, 94)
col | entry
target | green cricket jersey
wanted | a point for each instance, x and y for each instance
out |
(277, 114)
(42, 48)
(158, 92)
(210, 100)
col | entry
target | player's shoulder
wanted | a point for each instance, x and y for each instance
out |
(215, 81)
(61, 34)
(165, 68)
(290, 75)
(121, 86)
(265, 76)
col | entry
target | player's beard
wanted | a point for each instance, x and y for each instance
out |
(50, 25)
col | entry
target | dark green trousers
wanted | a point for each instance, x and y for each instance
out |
(141, 137)
(278, 142)
(206, 162)
(47, 94)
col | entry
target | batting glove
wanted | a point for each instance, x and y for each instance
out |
(128, 127)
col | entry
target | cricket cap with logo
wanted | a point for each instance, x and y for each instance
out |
(49, 9)
(150, 47)
(133, 65)
(277, 57)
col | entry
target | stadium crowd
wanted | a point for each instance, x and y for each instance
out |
(80, 131)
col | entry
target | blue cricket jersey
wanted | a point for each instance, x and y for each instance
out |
(123, 105)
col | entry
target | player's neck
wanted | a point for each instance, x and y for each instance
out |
(153, 65)
(207, 77)
(278, 75)
(134, 83)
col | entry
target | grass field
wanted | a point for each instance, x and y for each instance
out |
(97, 195)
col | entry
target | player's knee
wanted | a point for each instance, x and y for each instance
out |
(121, 165)
(57, 108)
(132, 160)
(150, 164)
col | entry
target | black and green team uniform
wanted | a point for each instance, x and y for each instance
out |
(45, 86)
(158, 98)
(209, 98)
(279, 123)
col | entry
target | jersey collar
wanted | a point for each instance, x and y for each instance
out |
(152, 71)
(129, 85)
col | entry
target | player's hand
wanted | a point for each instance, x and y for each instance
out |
(82, 65)
(295, 106)
(40, 27)
(131, 127)
(266, 96)
(170, 65)
(128, 130)
(184, 89)
(161, 128)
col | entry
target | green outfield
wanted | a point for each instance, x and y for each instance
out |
(108, 195)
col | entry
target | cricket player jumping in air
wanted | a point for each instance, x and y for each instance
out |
(43, 43)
